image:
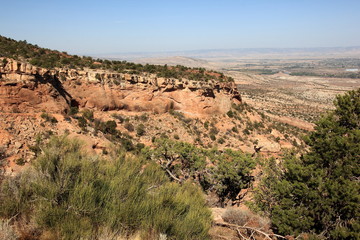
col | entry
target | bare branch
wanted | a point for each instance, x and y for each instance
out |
(173, 176)
(236, 227)
(240, 235)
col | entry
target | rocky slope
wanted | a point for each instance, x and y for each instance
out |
(23, 85)
(36, 102)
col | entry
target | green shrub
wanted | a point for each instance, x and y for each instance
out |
(230, 114)
(232, 173)
(214, 131)
(110, 127)
(82, 123)
(140, 130)
(73, 111)
(231, 170)
(106, 127)
(189, 158)
(246, 131)
(20, 161)
(118, 117)
(48, 118)
(144, 117)
(88, 114)
(76, 196)
(127, 144)
(206, 125)
(44, 115)
(3, 155)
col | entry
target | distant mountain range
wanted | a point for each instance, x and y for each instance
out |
(244, 53)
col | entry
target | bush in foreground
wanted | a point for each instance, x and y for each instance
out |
(77, 196)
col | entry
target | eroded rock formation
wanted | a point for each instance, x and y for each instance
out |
(22, 84)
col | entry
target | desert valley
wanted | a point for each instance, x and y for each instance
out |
(217, 128)
(179, 120)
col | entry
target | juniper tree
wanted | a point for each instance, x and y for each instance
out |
(319, 193)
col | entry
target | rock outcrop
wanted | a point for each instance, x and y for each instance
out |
(57, 89)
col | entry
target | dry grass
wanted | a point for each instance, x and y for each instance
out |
(7, 231)
(244, 217)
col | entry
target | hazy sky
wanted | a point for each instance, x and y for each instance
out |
(90, 27)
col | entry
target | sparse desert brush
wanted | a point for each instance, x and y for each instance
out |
(140, 130)
(129, 127)
(48, 117)
(118, 117)
(88, 114)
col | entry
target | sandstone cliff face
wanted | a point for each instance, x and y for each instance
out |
(23, 85)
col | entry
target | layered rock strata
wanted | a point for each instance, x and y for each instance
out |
(24, 85)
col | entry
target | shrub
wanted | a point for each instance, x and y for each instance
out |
(176, 136)
(140, 130)
(127, 144)
(188, 157)
(110, 127)
(246, 131)
(4, 62)
(2, 155)
(230, 114)
(129, 127)
(88, 114)
(76, 196)
(139, 146)
(106, 127)
(82, 123)
(48, 118)
(214, 131)
(177, 114)
(244, 217)
(118, 117)
(144, 117)
(20, 161)
(73, 111)
(232, 173)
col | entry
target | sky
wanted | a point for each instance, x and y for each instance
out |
(110, 26)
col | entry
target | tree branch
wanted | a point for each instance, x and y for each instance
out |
(173, 176)
(237, 227)
(240, 235)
